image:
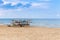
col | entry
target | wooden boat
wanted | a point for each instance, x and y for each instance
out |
(20, 23)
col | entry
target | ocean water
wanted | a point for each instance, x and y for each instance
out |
(51, 23)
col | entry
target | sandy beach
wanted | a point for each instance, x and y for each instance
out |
(29, 33)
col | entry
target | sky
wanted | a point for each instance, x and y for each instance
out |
(29, 8)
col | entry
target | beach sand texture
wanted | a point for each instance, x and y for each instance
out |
(29, 33)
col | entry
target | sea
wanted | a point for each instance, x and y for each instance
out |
(50, 23)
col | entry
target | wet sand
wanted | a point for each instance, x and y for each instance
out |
(29, 33)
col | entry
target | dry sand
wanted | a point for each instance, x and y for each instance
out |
(29, 33)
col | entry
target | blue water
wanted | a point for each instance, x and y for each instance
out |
(51, 23)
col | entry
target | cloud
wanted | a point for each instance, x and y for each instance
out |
(19, 5)
(8, 6)
(9, 13)
(45, 0)
(27, 5)
(1, 14)
(40, 5)
(15, 4)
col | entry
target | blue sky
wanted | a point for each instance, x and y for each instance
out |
(29, 8)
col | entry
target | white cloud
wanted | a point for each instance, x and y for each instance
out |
(13, 2)
(37, 5)
(24, 3)
(9, 13)
(40, 5)
(45, 0)
(5, 2)
(1, 14)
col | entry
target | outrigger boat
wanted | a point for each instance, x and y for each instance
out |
(20, 23)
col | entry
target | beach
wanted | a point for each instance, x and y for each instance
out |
(29, 33)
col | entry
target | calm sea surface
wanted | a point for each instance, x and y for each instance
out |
(51, 23)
